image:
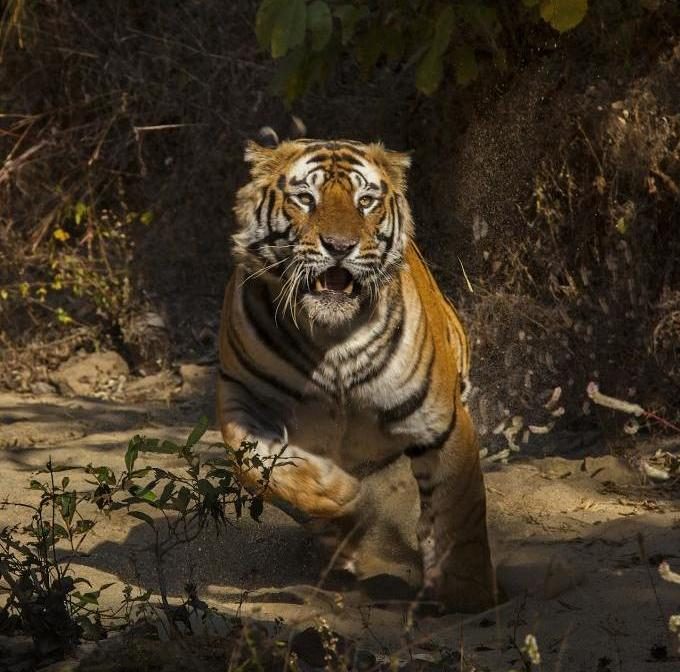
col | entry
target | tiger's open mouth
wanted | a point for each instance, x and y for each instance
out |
(335, 280)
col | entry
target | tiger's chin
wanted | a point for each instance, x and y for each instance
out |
(330, 311)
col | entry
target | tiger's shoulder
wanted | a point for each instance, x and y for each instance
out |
(447, 328)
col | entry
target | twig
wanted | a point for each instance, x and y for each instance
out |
(600, 399)
(667, 574)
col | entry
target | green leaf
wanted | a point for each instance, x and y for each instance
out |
(280, 25)
(145, 493)
(83, 526)
(59, 532)
(319, 24)
(198, 431)
(102, 474)
(206, 488)
(167, 493)
(79, 211)
(431, 69)
(156, 446)
(265, 20)
(91, 631)
(67, 506)
(147, 445)
(87, 598)
(349, 16)
(182, 499)
(140, 515)
(132, 452)
(465, 64)
(54, 468)
(563, 15)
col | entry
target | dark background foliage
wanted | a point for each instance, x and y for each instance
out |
(549, 177)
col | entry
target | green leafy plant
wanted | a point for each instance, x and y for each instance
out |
(57, 608)
(308, 37)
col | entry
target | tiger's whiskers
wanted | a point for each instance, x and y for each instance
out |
(260, 271)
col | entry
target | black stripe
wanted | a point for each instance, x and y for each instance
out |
(413, 402)
(254, 371)
(355, 352)
(291, 353)
(421, 352)
(230, 379)
(348, 158)
(319, 158)
(388, 238)
(386, 354)
(271, 239)
(254, 413)
(258, 211)
(335, 147)
(396, 223)
(270, 209)
(419, 449)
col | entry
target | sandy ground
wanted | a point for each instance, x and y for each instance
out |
(576, 543)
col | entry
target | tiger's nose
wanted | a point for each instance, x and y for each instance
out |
(338, 246)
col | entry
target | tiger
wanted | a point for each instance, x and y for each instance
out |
(339, 352)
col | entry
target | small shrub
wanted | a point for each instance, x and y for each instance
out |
(57, 608)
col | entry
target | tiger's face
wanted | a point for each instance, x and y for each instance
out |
(329, 220)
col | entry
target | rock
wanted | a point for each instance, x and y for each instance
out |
(157, 387)
(199, 385)
(40, 387)
(609, 469)
(85, 374)
(197, 377)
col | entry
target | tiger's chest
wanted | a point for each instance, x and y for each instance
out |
(350, 435)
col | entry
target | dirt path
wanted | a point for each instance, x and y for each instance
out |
(566, 536)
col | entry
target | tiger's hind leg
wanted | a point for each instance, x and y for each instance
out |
(452, 534)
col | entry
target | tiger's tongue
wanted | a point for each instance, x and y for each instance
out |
(336, 279)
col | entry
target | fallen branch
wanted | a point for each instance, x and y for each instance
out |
(667, 574)
(600, 399)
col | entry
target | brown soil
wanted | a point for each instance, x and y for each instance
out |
(575, 541)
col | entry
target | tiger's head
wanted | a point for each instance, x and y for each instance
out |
(328, 220)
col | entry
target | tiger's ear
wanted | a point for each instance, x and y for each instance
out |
(265, 160)
(395, 164)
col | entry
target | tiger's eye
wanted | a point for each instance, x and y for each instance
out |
(305, 198)
(366, 201)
